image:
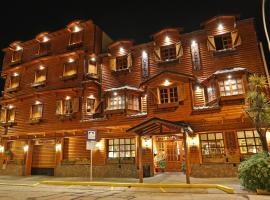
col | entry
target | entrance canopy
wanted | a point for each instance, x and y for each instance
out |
(157, 126)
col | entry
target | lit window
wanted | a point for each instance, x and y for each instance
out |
(76, 35)
(3, 117)
(8, 114)
(249, 142)
(211, 92)
(212, 146)
(70, 68)
(231, 87)
(168, 95)
(90, 105)
(67, 106)
(14, 81)
(44, 48)
(223, 41)
(40, 75)
(16, 53)
(121, 148)
(92, 68)
(116, 102)
(133, 102)
(36, 111)
(168, 52)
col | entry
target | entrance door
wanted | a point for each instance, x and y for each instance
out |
(169, 149)
(43, 162)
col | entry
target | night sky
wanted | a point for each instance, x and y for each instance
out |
(136, 20)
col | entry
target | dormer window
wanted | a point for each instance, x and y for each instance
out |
(14, 82)
(40, 76)
(121, 63)
(223, 41)
(67, 106)
(168, 52)
(70, 69)
(76, 34)
(36, 111)
(17, 51)
(44, 44)
(7, 114)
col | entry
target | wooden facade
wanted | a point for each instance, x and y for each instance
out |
(63, 83)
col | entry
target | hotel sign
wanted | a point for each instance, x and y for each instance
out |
(91, 135)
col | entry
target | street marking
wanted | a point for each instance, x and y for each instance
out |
(28, 185)
(162, 189)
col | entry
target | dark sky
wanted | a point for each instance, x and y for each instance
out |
(23, 20)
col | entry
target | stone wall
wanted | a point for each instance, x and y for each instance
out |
(214, 170)
(12, 169)
(109, 170)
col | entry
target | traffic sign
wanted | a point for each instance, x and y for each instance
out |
(91, 134)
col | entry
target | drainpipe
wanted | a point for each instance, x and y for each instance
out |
(265, 64)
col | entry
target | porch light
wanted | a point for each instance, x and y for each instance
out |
(91, 96)
(76, 29)
(67, 97)
(144, 54)
(15, 74)
(198, 89)
(93, 59)
(147, 143)
(37, 102)
(98, 145)
(41, 67)
(167, 39)
(167, 82)
(193, 43)
(115, 93)
(70, 60)
(229, 76)
(58, 147)
(10, 106)
(45, 39)
(18, 48)
(2, 149)
(193, 141)
(25, 148)
(121, 49)
(220, 27)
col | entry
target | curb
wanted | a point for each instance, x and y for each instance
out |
(18, 184)
(226, 189)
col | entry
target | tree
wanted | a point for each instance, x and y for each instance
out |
(259, 107)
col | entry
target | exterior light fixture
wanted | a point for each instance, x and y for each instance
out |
(121, 49)
(10, 106)
(45, 39)
(58, 147)
(37, 102)
(167, 82)
(93, 59)
(115, 93)
(193, 43)
(18, 48)
(193, 141)
(41, 67)
(167, 39)
(70, 60)
(68, 98)
(2, 149)
(229, 76)
(91, 97)
(15, 74)
(98, 145)
(220, 27)
(144, 54)
(198, 88)
(25, 148)
(76, 29)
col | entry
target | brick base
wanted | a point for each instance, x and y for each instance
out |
(111, 170)
(214, 170)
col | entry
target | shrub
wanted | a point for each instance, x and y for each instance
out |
(254, 172)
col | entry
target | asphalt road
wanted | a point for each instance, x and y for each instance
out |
(52, 192)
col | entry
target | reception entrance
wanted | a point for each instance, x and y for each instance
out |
(168, 153)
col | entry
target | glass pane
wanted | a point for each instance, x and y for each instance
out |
(205, 145)
(110, 154)
(116, 148)
(128, 154)
(127, 141)
(219, 136)
(127, 147)
(259, 148)
(122, 147)
(116, 154)
(252, 149)
(242, 142)
(250, 141)
(256, 133)
(132, 141)
(240, 134)
(212, 144)
(249, 133)
(243, 149)
(110, 142)
(122, 141)
(116, 141)
(133, 147)
(133, 154)
(122, 154)
(220, 143)
(211, 136)
(110, 148)
(203, 136)
(258, 141)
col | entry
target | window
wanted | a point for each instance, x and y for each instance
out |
(16, 55)
(70, 68)
(76, 37)
(223, 42)
(40, 76)
(121, 63)
(116, 102)
(90, 105)
(211, 91)
(121, 148)
(92, 68)
(133, 102)
(168, 52)
(212, 146)
(67, 106)
(168, 95)
(36, 111)
(44, 48)
(249, 142)
(231, 87)
(14, 81)
(3, 117)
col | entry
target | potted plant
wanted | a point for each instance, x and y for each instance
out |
(162, 164)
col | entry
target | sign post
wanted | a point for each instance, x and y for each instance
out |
(91, 137)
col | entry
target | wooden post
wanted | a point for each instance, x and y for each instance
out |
(187, 158)
(28, 158)
(140, 158)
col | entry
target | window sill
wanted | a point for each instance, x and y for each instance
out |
(12, 63)
(116, 111)
(120, 161)
(168, 62)
(205, 109)
(168, 105)
(91, 76)
(66, 116)
(35, 121)
(42, 54)
(38, 84)
(10, 90)
(8, 124)
(225, 52)
(74, 45)
(122, 71)
(233, 99)
(70, 77)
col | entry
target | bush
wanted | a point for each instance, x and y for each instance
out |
(254, 172)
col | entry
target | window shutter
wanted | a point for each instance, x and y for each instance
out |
(179, 50)
(157, 54)
(75, 104)
(144, 104)
(211, 43)
(113, 64)
(236, 39)
(129, 60)
(59, 105)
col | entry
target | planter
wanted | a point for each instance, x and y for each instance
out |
(262, 192)
(160, 169)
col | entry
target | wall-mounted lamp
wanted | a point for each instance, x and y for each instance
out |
(121, 50)
(18, 48)
(2, 149)
(41, 67)
(45, 39)
(144, 54)
(193, 141)
(167, 82)
(68, 97)
(15, 74)
(193, 43)
(93, 59)
(167, 39)
(98, 145)
(147, 142)
(25, 148)
(115, 93)
(58, 147)
(37, 102)
(76, 29)
(220, 27)
(10, 106)
(229, 76)
(70, 60)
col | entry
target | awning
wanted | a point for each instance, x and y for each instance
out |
(157, 126)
